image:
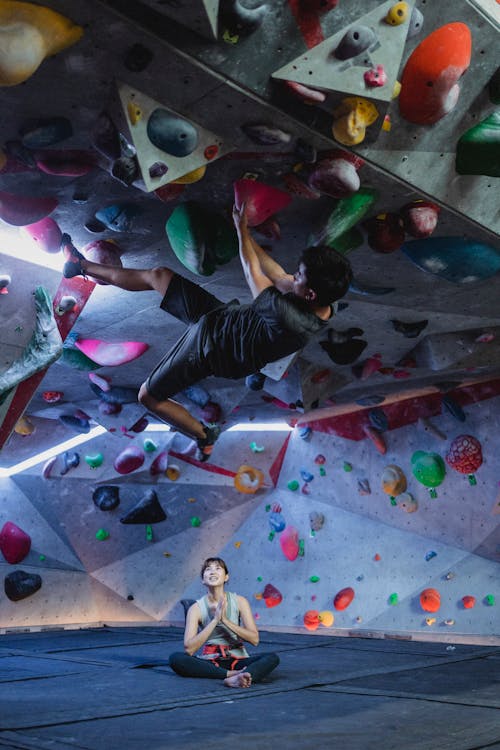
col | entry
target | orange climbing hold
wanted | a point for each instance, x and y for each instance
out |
(468, 601)
(430, 600)
(311, 619)
(343, 598)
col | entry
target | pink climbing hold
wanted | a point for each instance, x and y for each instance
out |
(420, 218)
(129, 460)
(111, 353)
(105, 252)
(343, 598)
(336, 173)
(20, 210)
(289, 542)
(160, 464)
(102, 381)
(272, 596)
(15, 543)
(45, 235)
(306, 93)
(65, 162)
(261, 200)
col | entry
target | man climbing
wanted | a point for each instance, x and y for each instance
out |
(227, 339)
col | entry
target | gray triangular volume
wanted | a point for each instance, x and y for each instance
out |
(147, 510)
(319, 68)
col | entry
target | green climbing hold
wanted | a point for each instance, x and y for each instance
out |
(149, 533)
(489, 599)
(259, 578)
(347, 466)
(94, 461)
(195, 521)
(348, 212)
(478, 149)
(42, 558)
(256, 448)
(322, 471)
(301, 548)
(268, 508)
(393, 599)
(149, 445)
(271, 535)
(314, 579)
(293, 485)
(102, 535)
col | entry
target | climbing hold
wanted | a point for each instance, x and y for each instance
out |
(261, 200)
(191, 177)
(149, 446)
(211, 412)
(385, 232)
(195, 521)
(147, 510)
(343, 598)
(158, 169)
(351, 118)
(478, 149)
(347, 466)
(43, 132)
(66, 304)
(119, 217)
(45, 235)
(430, 600)
(393, 600)
(416, 23)
(409, 330)
(94, 461)
(468, 602)
(266, 135)
(248, 480)
(311, 619)
(106, 497)
(137, 58)
(356, 40)
(107, 353)
(15, 543)
(306, 475)
(19, 585)
(102, 535)
(48, 466)
(256, 448)
(171, 133)
(420, 218)
(316, 520)
(30, 34)
(347, 212)
(407, 502)
(336, 174)
(276, 522)
(116, 394)
(295, 186)
(326, 618)
(364, 487)
(306, 93)
(75, 423)
(320, 459)
(429, 83)
(305, 432)
(465, 456)
(21, 210)
(272, 597)
(314, 579)
(238, 20)
(24, 426)
(429, 469)
(71, 459)
(398, 14)
(430, 621)
(105, 252)
(378, 419)
(293, 485)
(377, 557)
(130, 459)
(173, 473)
(65, 162)
(289, 542)
(255, 382)
(489, 600)
(393, 480)
(429, 555)
(160, 464)
(4, 283)
(453, 408)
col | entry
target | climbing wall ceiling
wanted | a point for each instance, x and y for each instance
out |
(384, 149)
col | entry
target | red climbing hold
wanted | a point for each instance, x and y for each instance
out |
(15, 543)
(262, 201)
(343, 598)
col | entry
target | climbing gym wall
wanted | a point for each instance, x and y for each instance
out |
(354, 489)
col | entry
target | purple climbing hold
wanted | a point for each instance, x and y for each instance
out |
(20, 210)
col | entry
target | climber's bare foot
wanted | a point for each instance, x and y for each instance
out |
(239, 680)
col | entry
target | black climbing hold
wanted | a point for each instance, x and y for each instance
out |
(105, 137)
(126, 169)
(137, 58)
(71, 459)
(19, 585)
(410, 330)
(255, 381)
(355, 41)
(116, 394)
(239, 20)
(106, 497)
(147, 510)
(45, 131)
(75, 423)
(378, 419)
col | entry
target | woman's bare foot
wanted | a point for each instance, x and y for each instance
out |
(239, 680)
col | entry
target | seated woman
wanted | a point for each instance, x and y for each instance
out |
(218, 614)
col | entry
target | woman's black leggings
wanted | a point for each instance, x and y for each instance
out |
(192, 666)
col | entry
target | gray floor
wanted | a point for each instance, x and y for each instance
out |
(110, 688)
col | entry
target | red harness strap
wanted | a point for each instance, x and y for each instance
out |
(220, 650)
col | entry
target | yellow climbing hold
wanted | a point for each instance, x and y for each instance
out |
(28, 34)
(190, 177)
(134, 113)
(398, 14)
(326, 618)
(24, 426)
(396, 90)
(351, 118)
